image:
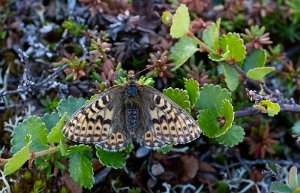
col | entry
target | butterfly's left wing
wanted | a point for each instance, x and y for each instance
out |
(99, 122)
(169, 123)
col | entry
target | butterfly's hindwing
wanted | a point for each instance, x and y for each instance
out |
(169, 123)
(95, 123)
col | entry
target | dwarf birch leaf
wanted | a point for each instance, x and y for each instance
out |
(34, 127)
(233, 47)
(181, 22)
(231, 77)
(17, 161)
(183, 50)
(211, 35)
(259, 73)
(55, 135)
(69, 106)
(232, 137)
(80, 165)
(192, 88)
(257, 58)
(111, 159)
(179, 96)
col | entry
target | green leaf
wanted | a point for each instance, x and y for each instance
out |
(111, 159)
(280, 187)
(146, 81)
(296, 129)
(79, 149)
(92, 98)
(165, 149)
(212, 96)
(50, 120)
(179, 96)
(128, 148)
(80, 165)
(192, 88)
(215, 57)
(297, 190)
(271, 108)
(222, 187)
(208, 120)
(294, 10)
(60, 166)
(228, 114)
(293, 178)
(69, 106)
(183, 50)
(55, 135)
(231, 77)
(62, 148)
(257, 58)
(232, 137)
(36, 129)
(233, 47)
(181, 22)
(259, 73)
(211, 35)
(17, 161)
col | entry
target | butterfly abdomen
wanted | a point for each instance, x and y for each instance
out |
(131, 118)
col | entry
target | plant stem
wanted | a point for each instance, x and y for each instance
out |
(238, 69)
(252, 111)
(51, 150)
(202, 44)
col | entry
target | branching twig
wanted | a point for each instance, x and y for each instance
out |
(51, 77)
(51, 150)
(253, 111)
(26, 84)
(82, 44)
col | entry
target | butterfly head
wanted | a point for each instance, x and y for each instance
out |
(131, 76)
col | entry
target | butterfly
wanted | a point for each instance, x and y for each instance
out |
(131, 112)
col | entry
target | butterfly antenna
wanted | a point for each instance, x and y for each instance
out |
(143, 70)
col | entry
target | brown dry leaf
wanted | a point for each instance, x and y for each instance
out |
(190, 167)
(179, 169)
(206, 173)
(206, 167)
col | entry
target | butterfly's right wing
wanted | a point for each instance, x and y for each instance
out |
(94, 123)
(169, 123)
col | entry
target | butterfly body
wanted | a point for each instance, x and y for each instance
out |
(131, 112)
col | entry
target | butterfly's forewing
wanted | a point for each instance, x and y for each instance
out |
(94, 123)
(169, 123)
